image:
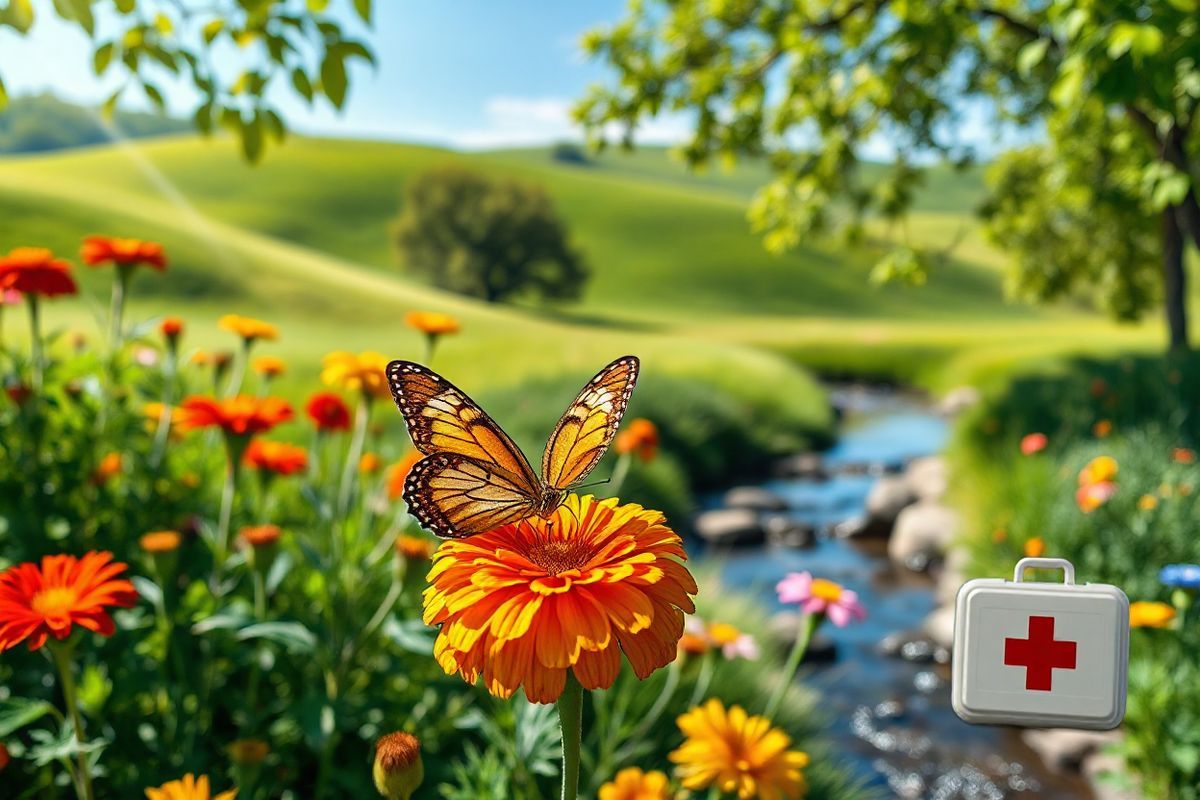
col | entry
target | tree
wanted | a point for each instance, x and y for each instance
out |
(485, 238)
(1103, 201)
(232, 52)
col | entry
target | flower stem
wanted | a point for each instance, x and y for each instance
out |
(361, 417)
(35, 331)
(62, 660)
(570, 718)
(807, 627)
(619, 473)
(227, 495)
(117, 311)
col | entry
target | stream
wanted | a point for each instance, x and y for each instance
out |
(889, 716)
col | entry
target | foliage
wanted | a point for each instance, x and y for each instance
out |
(810, 86)
(43, 122)
(231, 53)
(491, 239)
(568, 153)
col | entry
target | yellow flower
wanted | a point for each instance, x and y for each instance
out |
(633, 784)
(432, 323)
(356, 373)
(1147, 502)
(269, 366)
(247, 328)
(738, 754)
(1101, 469)
(188, 787)
(398, 769)
(1035, 547)
(1143, 614)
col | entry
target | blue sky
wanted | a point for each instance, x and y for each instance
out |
(468, 73)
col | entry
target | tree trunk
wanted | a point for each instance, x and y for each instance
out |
(1174, 279)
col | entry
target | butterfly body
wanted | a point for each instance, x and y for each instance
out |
(474, 477)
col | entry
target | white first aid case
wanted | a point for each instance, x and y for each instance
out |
(1040, 654)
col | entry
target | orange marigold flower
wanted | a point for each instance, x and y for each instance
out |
(633, 784)
(109, 467)
(100, 250)
(432, 323)
(398, 769)
(1033, 443)
(171, 327)
(161, 541)
(1144, 614)
(65, 591)
(693, 644)
(189, 787)
(249, 752)
(269, 366)
(1147, 502)
(738, 754)
(328, 412)
(640, 437)
(398, 473)
(369, 463)
(1099, 470)
(248, 328)
(414, 548)
(260, 535)
(525, 602)
(280, 458)
(1035, 547)
(35, 271)
(237, 416)
(1183, 455)
(1102, 429)
(356, 373)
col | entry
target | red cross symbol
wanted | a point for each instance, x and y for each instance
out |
(1039, 654)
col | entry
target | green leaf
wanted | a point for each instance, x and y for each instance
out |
(302, 84)
(333, 80)
(103, 57)
(292, 635)
(155, 95)
(317, 6)
(77, 11)
(18, 15)
(252, 139)
(3, 94)
(1186, 6)
(412, 635)
(17, 712)
(1031, 55)
(363, 7)
(213, 29)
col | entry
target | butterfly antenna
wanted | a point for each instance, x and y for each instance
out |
(597, 483)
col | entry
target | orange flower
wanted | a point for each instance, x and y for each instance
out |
(260, 535)
(269, 366)
(640, 438)
(188, 788)
(109, 467)
(369, 464)
(356, 373)
(738, 754)
(431, 323)
(1102, 429)
(693, 644)
(328, 412)
(414, 548)
(1091, 496)
(398, 473)
(633, 784)
(1100, 469)
(237, 416)
(161, 541)
(1143, 614)
(65, 591)
(1098, 387)
(1147, 502)
(248, 328)
(171, 328)
(1183, 455)
(99, 250)
(525, 602)
(1035, 547)
(249, 751)
(1033, 443)
(280, 458)
(35, 271)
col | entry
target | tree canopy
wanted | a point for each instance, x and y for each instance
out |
(232, 53)
(493, 239)
(1101, 200)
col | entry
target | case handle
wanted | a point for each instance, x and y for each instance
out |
(1045, 563)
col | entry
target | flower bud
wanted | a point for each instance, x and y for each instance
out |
(398, 769)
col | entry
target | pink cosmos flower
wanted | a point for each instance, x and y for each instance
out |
(820, 596)
(1033, 443)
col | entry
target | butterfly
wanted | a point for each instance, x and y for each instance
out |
(473, 477)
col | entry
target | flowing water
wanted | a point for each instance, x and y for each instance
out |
(890, 716)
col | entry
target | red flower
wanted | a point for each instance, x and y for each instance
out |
(278, 457)
(35, 270)
(328, 412)
(99, 250)
(239, 416)
(1033, 443)
(171, 327)
(65, 591)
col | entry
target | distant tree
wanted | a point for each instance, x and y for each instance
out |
(568, 153)
(1104, 201)
(43, 122)
(487, 238)
(236, 54)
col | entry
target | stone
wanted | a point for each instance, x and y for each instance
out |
(754, 498)
(921, 534)
(730, 527)
(927, 477)
(958, 400)
(953, 575)
(914, 646)
(939, 626)
(889, 496)
(782, 531)
(802, 465)
(1063, 749)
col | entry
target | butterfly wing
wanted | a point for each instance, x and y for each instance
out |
(442, 419)
(587, 428)
(455, 496)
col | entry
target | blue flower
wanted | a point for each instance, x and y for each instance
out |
(1183, 576)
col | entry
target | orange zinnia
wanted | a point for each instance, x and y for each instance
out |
(640, 438)
(35, 271)
(398, 473)
(37, 602)
(269, 366)
(99, 250)
(189, 787)
(248, 328)
(260, 535)
(633, 784)
(171, 328)
(328, 412)
(431, 323)
(369, 464)
(237, 416)
(525, 602)
(278, 457)
(356, 373)
(414, 548)
(109, 467)
(161, 541)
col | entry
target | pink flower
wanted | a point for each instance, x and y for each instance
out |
(1091, 496)
(10, 297)
(1033, 443)
(819, 596)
